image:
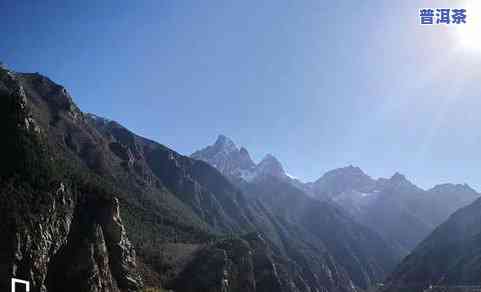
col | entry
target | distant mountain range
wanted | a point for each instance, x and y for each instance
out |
(303, 227)
(88, 205)
(402, 213)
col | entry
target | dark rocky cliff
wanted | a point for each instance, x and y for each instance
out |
(52, 222)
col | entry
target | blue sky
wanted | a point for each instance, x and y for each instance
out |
(319, 84)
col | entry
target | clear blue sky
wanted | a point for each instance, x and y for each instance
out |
(319, 84)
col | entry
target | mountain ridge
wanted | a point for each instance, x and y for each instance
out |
(403, 213)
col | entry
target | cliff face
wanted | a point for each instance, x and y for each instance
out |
(69, 248)
(245, 264)
(58, 233)
(97, 255)
(226, 266)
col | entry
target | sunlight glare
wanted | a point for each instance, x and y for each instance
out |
(469, 34)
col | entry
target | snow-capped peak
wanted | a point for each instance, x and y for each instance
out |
(225, 144)
(234, 162)
(227, 157)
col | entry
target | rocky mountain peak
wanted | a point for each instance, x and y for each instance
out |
(449, 187)
(244, 151)
(341, 180)
(270, 165)
(223, 143)
(42, 88)
(346, 172)
(234, 162)
(246, 158)
(398, 182)
(226, 157)
(270, 158)
(399, 179)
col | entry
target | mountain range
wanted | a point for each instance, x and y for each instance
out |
(128, 212)
(88, 205)
(401, 212)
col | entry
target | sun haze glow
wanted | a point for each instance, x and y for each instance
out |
(469, 34)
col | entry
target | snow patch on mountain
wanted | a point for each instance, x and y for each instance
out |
(235, 162)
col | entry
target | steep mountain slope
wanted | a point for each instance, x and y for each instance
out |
(443, 200)
(319, 229)
(317, 235)
(203, 189)
(451, 255)
(54, 216)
